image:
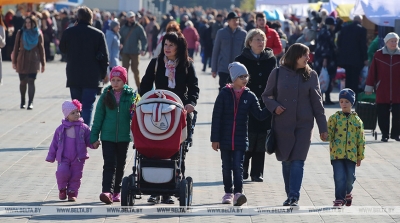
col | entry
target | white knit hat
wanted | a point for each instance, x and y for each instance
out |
(391, 36)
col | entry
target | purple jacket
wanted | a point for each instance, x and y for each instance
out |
(82, 140)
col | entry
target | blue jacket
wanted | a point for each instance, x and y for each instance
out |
(113, 43)
(229, 121)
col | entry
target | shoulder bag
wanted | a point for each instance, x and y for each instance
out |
(270, 143)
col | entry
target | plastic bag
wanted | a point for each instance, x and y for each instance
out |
(324, 80)
(363, 77)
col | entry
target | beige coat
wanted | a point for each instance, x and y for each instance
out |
(303, 103)
(28, 61)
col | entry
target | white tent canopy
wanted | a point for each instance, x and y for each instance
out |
(280, 2)
(380, 12)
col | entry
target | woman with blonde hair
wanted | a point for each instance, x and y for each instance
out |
(259, 61)
(27, 57)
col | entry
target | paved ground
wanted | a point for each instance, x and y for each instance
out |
(26, 179)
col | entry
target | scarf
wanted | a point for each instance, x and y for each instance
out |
(30, 37)
(170, 71)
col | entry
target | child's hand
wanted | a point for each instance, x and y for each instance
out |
(324, 136)
(96, 144)
(215, 146)
(358, 162)
(50, 161)
(279, 110)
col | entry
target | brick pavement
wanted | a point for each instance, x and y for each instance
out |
(26, 179)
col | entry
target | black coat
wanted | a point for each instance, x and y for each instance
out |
(87, 55)
(259, 71)
(226, 127)
(352, 45)
(209, 43)
(325, 49)
(186, 80)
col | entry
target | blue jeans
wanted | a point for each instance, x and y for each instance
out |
(232, 160)
(293, 177)
(344, 174)
(87, 96)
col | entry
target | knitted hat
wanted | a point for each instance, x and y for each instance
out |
(236, 69)
(120, 72)
(113, 24)
(69, 106)
(330, 21)
(391, 36)
(348, 94)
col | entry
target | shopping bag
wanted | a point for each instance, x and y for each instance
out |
(363, 77)
(324, 80)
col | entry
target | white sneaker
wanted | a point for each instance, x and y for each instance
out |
(239, 199)
(227, 198)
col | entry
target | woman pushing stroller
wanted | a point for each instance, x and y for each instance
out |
(173, 70)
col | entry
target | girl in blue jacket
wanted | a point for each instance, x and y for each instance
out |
(229, 130)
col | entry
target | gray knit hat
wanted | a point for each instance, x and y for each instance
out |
(236, 69)
(113, 24)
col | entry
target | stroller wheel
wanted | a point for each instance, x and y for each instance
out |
(183, 194)
(190, 190)
(127, 196)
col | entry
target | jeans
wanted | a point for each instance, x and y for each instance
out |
(87, 96)
(232, 160)
(114, 156)
(293, 177)
(344, 174)
(191, 53)
(223, 79)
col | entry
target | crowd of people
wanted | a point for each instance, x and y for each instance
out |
(268, 73)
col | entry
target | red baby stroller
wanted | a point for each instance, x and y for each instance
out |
(160, 136)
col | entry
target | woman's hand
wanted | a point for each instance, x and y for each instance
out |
(325, 63)
(324, 136)
(14, 66)
(279, 110)
(42, 70)
(215, 146)
(189, 108)
(214, 74)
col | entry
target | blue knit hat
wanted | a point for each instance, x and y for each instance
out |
(348, 94)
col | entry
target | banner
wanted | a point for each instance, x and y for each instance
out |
(196, 211)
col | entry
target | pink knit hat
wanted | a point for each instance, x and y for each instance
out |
(120, 72)
(69, 106)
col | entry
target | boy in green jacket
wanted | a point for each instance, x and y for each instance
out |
(347, 144)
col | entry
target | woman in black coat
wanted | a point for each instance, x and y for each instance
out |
(180, 78)
(259, 61)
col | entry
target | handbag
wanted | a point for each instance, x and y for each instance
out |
(324, 80)
(270, 143)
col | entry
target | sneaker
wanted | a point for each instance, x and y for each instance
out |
(227, 198)
(294, 201)
(154, 199)
(71, 195)
(63, 194)
(106, 197)
(239, 199)
(349, 199)
(117, 197)
(339, 203)
(287, 202)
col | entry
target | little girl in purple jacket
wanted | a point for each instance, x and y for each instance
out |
(69, 148)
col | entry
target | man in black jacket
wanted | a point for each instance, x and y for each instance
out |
(352, 45)
(87, 60)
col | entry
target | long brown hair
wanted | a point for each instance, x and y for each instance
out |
(289, 60)
(33, 20)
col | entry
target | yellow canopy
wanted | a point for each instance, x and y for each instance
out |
(315, 6)
(344, 10)
(13, 2)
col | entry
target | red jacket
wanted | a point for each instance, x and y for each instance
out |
(191, 37)
(384, 73)
(273, 40)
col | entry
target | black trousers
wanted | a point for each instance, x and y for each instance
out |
(223, 79)
(353, 77)
(384, 119)
(256, 153)
(114, 156)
